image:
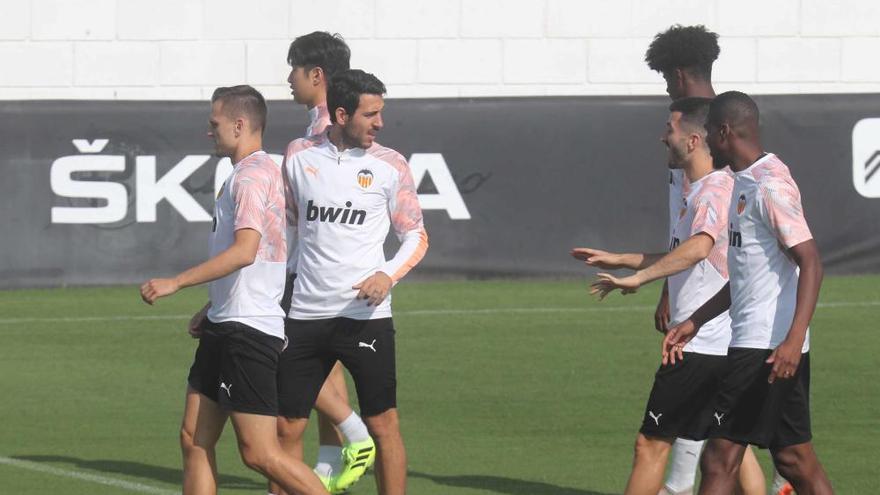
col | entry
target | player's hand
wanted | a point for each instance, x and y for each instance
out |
(785, 359)
(374, 288)
(661, 315)
(195, 323)
(597, 257)
(676, 338)
(158, 287)
(606, 283)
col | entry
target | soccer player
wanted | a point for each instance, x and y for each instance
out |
(697, 268)
(344, 191)
(241, 329)
(684, 55)
(775, 275)
(314, 58)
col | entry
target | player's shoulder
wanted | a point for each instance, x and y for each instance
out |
(305, 143)
(720, 179)
(773, 175)
(388, 156)
(259, 166)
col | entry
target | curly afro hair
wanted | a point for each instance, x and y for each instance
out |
(684, 47)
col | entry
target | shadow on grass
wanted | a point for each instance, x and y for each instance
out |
(497, 484)
(146, 471)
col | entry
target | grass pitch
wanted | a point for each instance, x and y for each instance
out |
(517, 388)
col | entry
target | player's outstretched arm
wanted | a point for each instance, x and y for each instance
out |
(609, 261)
(673, 344)
(686, 255)
(240, 254)
(786, 357)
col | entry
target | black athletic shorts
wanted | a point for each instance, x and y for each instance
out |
(236, 367)
(748, 410)
(681, 400)
(365, 348)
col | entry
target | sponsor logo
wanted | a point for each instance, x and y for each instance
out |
(866, 157)
(735, 238)
(227, 388)
(335, 215)
(718, 417)
(674, 243)
(83, 183)
(365, 178)
(655, 418)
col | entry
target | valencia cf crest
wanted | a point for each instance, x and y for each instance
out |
(741, 204)
(683, 211)
(365, 178)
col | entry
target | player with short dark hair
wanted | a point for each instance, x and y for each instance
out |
(314, 59)
(344, 192)
(775, 275)
(241, 329)
(696, 267)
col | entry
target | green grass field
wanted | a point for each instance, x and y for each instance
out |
(518, 388)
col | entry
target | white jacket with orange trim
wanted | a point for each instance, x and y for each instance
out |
(342, 205)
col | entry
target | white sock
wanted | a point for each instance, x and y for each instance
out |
(778, 481)
(683, 462)
(329, 460)
(353, 429)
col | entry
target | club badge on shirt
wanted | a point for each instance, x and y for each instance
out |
(365, 178)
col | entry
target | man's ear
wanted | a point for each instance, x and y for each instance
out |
(317, 76)
(341, 116)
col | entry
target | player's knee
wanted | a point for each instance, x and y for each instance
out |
(789, 464)
(718, 460)
(188, 444)
(648, 448)
(254, 458)
(383, 425)
(290, 429)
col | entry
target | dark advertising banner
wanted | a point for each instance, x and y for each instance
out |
(114, 192)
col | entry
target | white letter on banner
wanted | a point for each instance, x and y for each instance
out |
(151, 191)
(63, 185)
(448, 197)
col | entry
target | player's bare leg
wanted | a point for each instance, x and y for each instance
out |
(719, 466)
(751, 479)
(333, 407)
(800, 466)
(290, 432)
(390, 467)
(202, 424)
(649, 464)
(259, 448)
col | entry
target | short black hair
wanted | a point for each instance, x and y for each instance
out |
(693, 48)
(346, 88)
(242, 100)
(694, 110)
(736, 109)
(320, 49)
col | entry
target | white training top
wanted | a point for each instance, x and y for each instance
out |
(766, 218)
(343, 204)
(704, 211)
(319, 121)
(251, 198)
(677, 183)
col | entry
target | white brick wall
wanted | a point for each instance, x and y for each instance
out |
(183, 49)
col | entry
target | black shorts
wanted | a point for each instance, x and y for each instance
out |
(236, 367)
(681, 400)
(748, 410)
(365, 348)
